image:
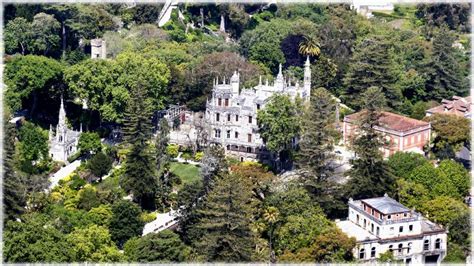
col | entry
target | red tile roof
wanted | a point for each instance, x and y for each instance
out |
(457, 106)
(392, 121)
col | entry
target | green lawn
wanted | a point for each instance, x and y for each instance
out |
(187, 172)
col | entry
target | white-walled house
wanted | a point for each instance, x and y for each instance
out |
(366, 7)
(383, 224)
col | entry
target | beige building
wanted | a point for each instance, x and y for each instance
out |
(383, 224)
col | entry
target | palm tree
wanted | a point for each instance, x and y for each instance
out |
(309, 46)
(271, 216)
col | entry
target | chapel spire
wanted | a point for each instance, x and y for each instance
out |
(62, 115)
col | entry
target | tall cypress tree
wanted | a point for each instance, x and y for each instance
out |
(224, 222)
(370, 174)
(140, 176)
(372, 63)
(315, 154)
(445, 77)
(13, 188)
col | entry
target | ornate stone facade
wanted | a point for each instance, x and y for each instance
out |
(231, 113)
(63, 142)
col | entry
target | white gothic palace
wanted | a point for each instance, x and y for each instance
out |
(231, 113)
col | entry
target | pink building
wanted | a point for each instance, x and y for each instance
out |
(400, 132)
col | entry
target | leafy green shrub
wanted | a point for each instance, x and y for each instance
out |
(76, 182)
(187, 156)
(148, 217)
(100, 164)
(172, 150)
(198, 156)
(125, 222)
(100, 215)
(89, 143)
(74, 157)
(88, 198)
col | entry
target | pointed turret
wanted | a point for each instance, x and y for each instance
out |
(234, 81)
(62, 114)
(307, 80)
(280, 72)
(279, 81)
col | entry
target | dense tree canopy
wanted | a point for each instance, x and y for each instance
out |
(31, 77)
(405, 62)
(125, 222)
(279, 124)
(164, 246)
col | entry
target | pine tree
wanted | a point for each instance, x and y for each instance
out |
(317, 137)
(315, 154)
(370, 174)
(372, 63)
(213, 165)
(140, 171)
(445, 73)
(161, 143)
(13, 188)
(225, 220)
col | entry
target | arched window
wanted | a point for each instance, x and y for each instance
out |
(372, 228)
(390, 248)
(438, 243)
(228, 147)
(378, 230)
(409, 248)
(60, 138)
(365, 223)
(357, 218)
(362, 254)
(372, 252)
(400, 248)
(426, 245)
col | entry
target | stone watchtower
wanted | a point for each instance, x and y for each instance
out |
(98, 49)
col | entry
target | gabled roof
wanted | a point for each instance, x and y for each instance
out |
(386, 205)
(392, 121)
